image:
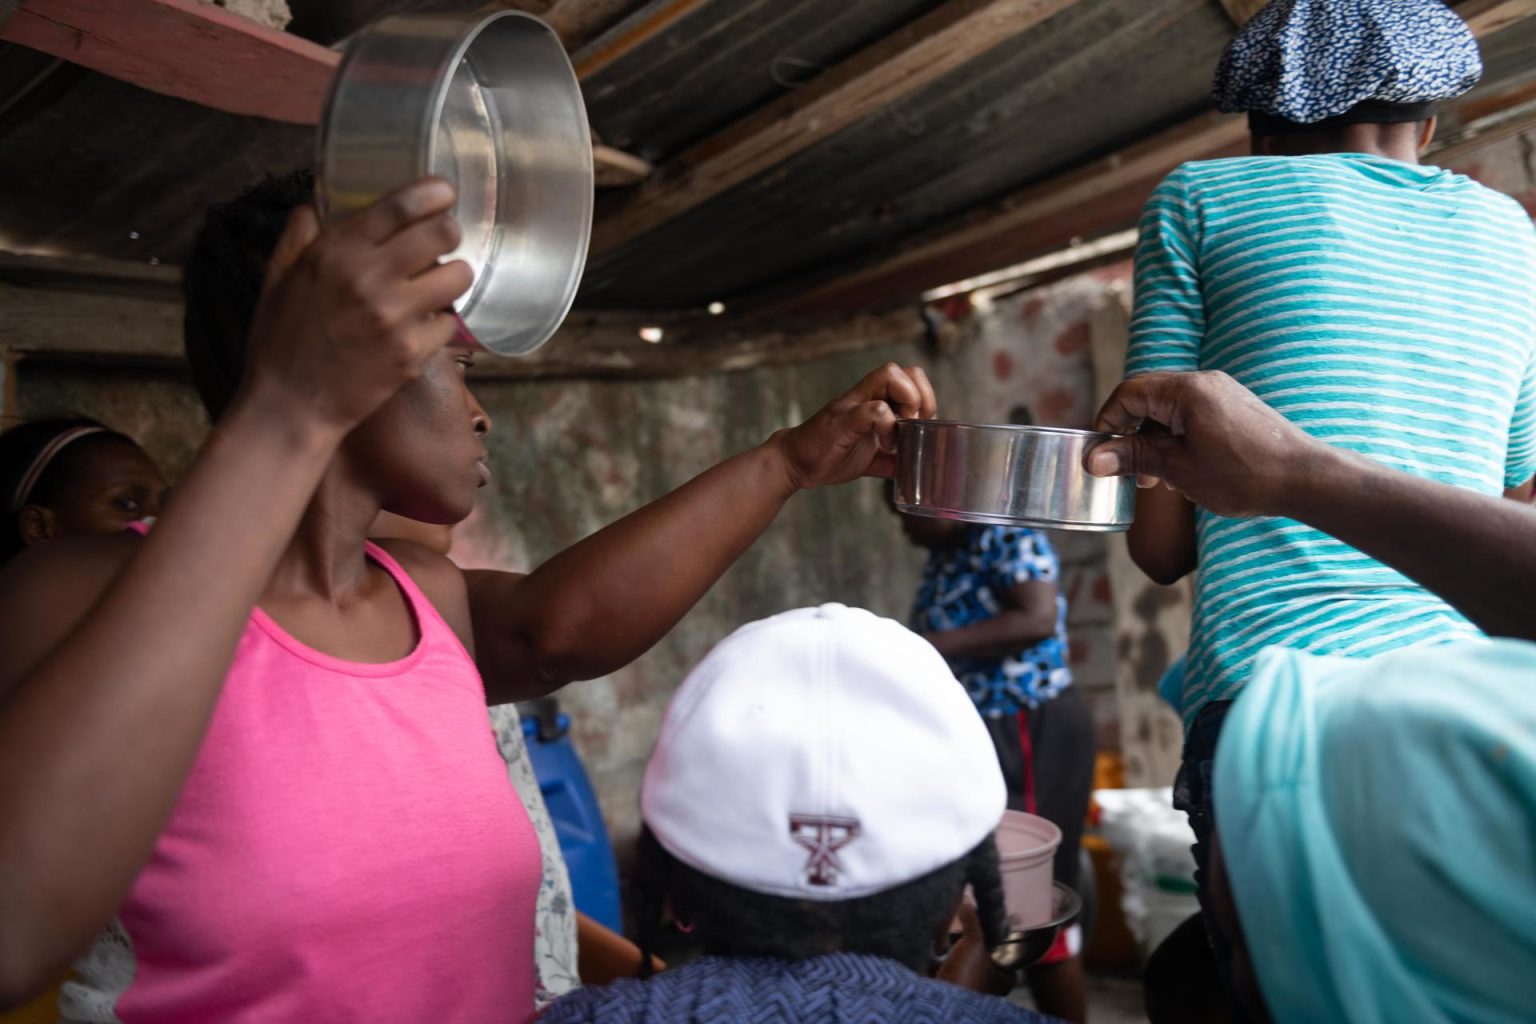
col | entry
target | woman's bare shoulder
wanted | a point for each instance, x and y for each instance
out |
(439, 579)
(46, 590)
(69, 565)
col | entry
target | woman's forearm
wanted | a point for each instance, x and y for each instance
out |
(1477, 552)
(606, 600)
(1009, 632)
(101, 724)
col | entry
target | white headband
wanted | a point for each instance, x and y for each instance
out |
(44, 457)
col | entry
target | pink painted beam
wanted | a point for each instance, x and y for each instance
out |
(183, 48)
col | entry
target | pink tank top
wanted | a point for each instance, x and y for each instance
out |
(348, 847)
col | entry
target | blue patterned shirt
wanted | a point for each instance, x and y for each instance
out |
(961, 587)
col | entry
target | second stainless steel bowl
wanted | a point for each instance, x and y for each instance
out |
(489, 102)
(1012, 476)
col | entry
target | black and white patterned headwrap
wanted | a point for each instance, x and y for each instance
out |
(1309, 60)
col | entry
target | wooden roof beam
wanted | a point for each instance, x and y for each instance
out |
(1091, 199)
(578, 22)
(1242, 10)
(613, 167)
(982, 240)
(130, 314)
(630, 33)
(1491, 119)
(896, 66)
(202, 53)
(184, 48)
(1485, 17)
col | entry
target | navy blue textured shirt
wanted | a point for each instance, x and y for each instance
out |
(840, 988)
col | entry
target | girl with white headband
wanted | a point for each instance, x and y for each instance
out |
(67, 477)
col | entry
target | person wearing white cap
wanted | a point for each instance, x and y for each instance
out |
(1380, 305)
(821, 793)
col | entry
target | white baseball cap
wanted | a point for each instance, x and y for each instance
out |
(823, 754)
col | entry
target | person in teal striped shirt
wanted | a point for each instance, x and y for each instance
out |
(1380, 305)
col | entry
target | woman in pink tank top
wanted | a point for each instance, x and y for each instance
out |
(245, 764)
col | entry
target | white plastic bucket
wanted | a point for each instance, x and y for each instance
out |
(1026, 846)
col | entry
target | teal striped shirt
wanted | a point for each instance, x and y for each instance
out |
(1384, 307)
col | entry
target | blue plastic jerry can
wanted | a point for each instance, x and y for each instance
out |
(573, 806)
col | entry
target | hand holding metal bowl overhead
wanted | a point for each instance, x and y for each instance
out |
(1007, 475)
(490, 103)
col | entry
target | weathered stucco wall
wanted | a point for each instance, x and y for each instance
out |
(571, 456)
(156, 407)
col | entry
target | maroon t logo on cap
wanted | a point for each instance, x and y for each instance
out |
(823, 837)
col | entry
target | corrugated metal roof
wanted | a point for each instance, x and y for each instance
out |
(725, 59)
(1098, 76)
(90, 166)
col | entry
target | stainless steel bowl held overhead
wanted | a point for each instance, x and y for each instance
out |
(489, 102)
(1012, 476)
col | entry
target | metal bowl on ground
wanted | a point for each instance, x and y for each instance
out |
(489, 102)
(1007, 475)
(1026, 947)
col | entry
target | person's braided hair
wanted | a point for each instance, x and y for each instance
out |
(222, 282)
(728, 920)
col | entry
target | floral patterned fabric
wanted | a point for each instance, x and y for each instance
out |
(554, 947)
(960, 587)
(1307, 60)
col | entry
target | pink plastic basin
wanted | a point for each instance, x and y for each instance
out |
(1026, 845)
